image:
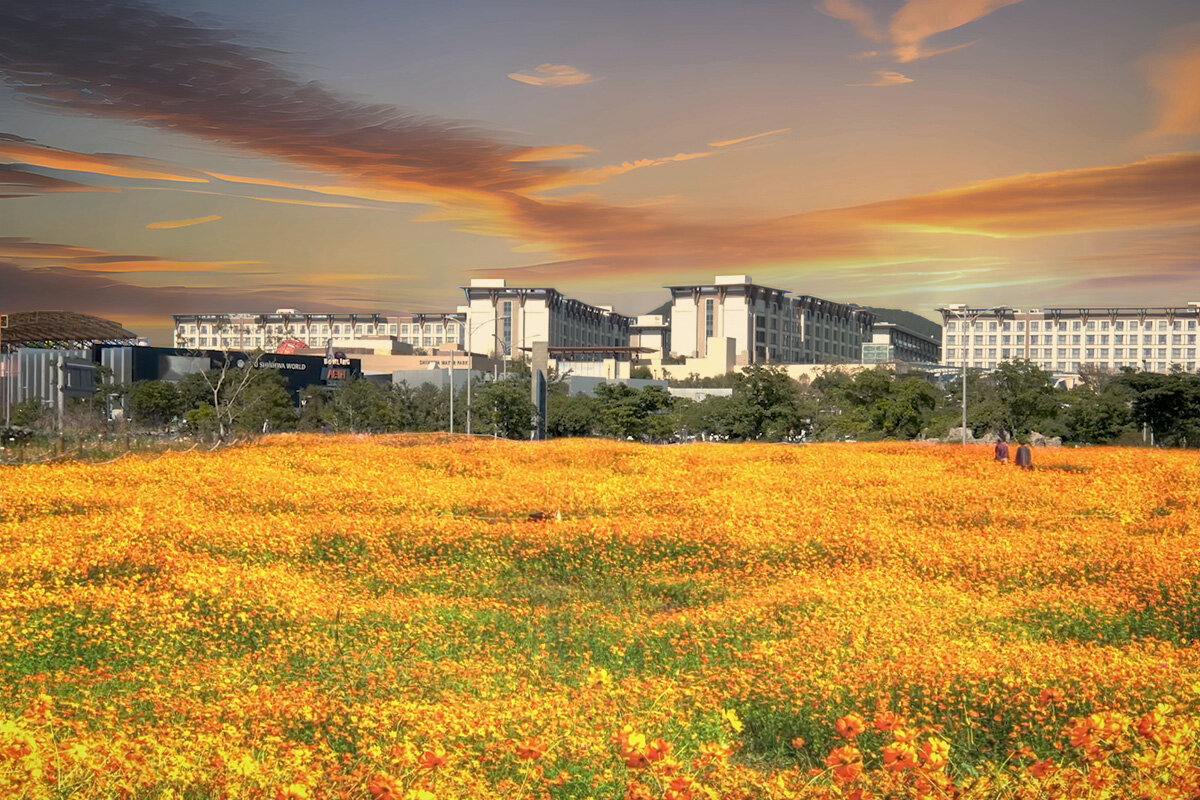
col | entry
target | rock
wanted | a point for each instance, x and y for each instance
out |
(956, 435)
(989, 438)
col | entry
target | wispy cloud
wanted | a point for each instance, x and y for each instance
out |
(28, 253)
(182, 223)
(16, 182)
(554, 75)
(885, 78)
(1174, 74)
(856, 14)
(917, 20)
(913, 23)
(118, 166)
(728, 142)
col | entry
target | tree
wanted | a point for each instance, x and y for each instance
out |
(765, 404)
(1025, 398)
(1169, 405)
(503, 408)
(1094, 417)
(571, 415)
(357, 406)
(155, 403)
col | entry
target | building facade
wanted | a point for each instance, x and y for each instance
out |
(433, 330)
(764, 323)
(505, 320)
(891, 342)
(249, 332)
(1065, 339)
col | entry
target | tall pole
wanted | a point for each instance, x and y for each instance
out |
(964, 399)
(452, 392)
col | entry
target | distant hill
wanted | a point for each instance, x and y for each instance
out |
(664, 311)
(907, 319)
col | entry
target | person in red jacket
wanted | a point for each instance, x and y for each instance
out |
(1002, 451)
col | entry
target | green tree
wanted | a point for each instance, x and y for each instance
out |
(358, 406)
(154, 403)
(1169, 405)
(571, 415)
(766, 404)
(1094, 417)
(1025, 398)
(503, 408)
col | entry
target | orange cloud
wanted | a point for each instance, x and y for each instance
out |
(917, 20)
(22, 183)
(555, 152)
(728, 142)
(117, 166)
(886, 78)
(1174, 74)
(913, 23)
(858, 16)
(554, 75)
(182, 223)
(1156, 192)
(27, 253)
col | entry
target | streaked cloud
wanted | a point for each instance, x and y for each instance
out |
(27, 253)
(554, 152)
(118, 166)
(16, 182)
(554, 75)
(885, 78)
(1155, 192)
(182, 223)
(1174, 74)
(728, 142)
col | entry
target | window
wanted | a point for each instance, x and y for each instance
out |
(708, 318)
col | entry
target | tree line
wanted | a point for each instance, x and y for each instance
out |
(765, 404)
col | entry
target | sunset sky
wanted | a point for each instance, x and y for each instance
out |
(374, 155)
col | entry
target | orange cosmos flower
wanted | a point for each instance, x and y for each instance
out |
(383, 787)
(531, 749)
(846, 763)
(294, 791)
(849, 726)
(432, 758)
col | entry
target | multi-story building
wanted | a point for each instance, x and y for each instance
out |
(432, 330)
(1064, 339)
(892, 342)
(504, 320)
(765, 323)
(653, 332)
(247, 331)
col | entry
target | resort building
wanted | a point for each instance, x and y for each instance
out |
(891, 342)
(764, 323)
(506, 320)
(1064, 339)
(248, 331)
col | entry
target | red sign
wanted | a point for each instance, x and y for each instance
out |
(289, 347)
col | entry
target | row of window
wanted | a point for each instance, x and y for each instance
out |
(281, 330)
(1131, 354)
(1076, 325)
(1074, 338)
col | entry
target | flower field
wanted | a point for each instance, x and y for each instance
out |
(424, 617)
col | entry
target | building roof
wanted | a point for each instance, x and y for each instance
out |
(62, 329)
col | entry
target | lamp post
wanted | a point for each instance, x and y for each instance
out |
(966, 313)
(466, 344)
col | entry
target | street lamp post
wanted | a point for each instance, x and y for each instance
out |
(466, 344)
(968, 314)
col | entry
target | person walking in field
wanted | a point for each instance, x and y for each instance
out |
(1024, 456)
(1002, 451)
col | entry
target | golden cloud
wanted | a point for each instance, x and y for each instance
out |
(728, 142)
(917, 20)
(886, 78)
(117, 166)
(1174, 74)
(182, 223)
(554, 75)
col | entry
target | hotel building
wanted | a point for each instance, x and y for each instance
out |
(1064, 339)
(764, 323)
(505, 320)
(247, 331)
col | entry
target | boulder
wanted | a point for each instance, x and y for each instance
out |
(956, 435)
(1038, 440)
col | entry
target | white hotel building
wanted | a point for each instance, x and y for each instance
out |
(248, 331)
(1063, 339)
(504, 320)
(765, 324)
